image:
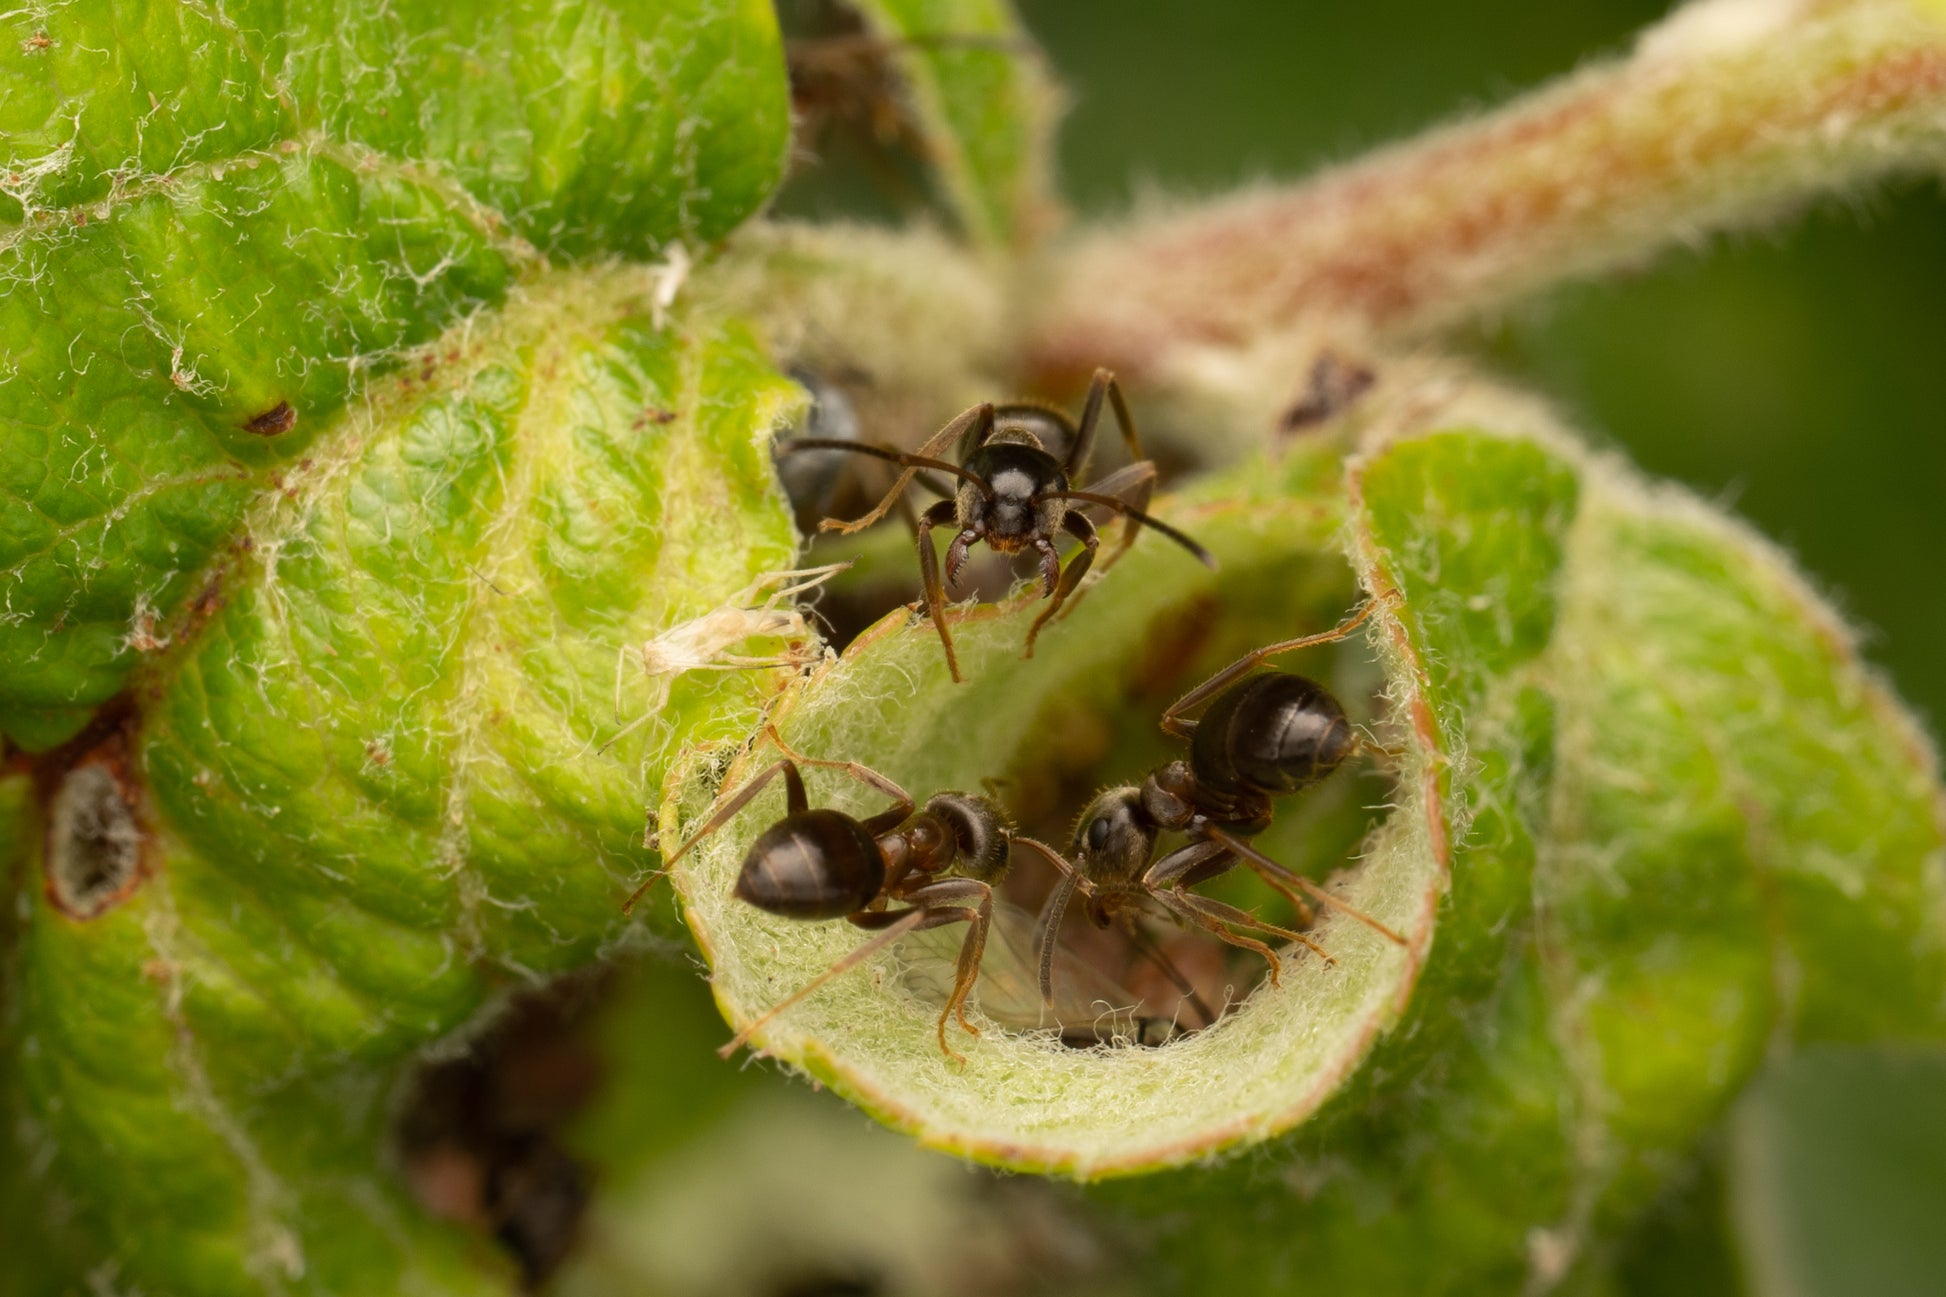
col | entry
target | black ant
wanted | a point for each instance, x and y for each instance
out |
(1015, 495)
(818, 863)
(1265, 736)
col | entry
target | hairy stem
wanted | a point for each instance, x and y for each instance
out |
(1721, 116)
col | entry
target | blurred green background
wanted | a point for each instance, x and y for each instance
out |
(1796, 374)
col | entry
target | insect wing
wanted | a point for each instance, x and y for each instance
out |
(1090, 1008)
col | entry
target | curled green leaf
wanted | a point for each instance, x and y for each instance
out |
(390, 762)
(1618, 894)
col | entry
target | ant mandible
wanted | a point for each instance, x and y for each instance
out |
(1265, 736)
(1014, 495)
(817, 863)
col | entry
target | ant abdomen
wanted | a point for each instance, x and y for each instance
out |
(816, 864)
(1273, 733)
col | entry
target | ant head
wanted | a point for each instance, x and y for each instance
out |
(1016, 471)
(1114, 837)
(982, 838)
(816, 864)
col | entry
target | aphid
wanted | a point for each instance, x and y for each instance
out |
(940, 862)
(1265, 735)
(1015, 495)
(764, 609)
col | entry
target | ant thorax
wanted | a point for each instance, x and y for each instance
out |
(1177, 796)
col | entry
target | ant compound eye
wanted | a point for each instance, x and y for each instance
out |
(1097, 836)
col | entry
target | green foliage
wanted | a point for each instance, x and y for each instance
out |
(387, 775)
(369, 503)
(214, 216)
(381, 755)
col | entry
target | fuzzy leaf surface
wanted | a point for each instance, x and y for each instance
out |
(214, 219)
(394, 766)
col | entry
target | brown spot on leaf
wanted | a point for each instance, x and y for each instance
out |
(97, 847)
(281, 417)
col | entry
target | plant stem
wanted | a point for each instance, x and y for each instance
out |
(1723, 115)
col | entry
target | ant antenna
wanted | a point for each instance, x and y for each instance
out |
(1121, 506)
(899, 457)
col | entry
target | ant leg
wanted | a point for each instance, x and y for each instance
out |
(794, 791)
(1178, 905)
(926, 457)
(862, 773)
(1102, 385)
(978, 417)
(1204, 858)
(1078, 526)
(1283, 880)
(935, 594)
(966, 433)
(903, 922)
(1187, 865)
(978, 918)
(911, 464)
(1225, 913)
(1173, 721)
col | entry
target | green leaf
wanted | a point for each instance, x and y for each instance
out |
(889, 703)
(385, 773)
(1838, 1174)
(985, 105)
(1648, 790)
(216, 220)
